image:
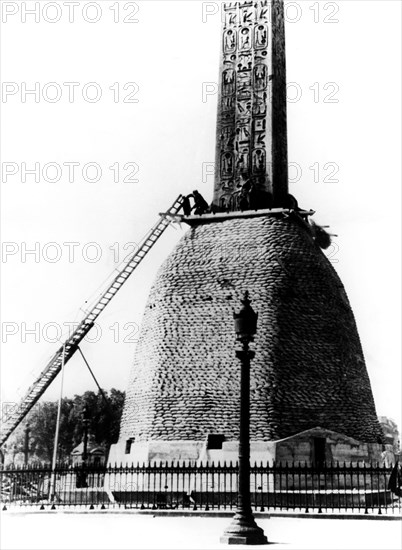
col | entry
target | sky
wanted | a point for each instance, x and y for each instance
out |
(118, 125)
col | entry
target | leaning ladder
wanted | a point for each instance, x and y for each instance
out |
(46, 377)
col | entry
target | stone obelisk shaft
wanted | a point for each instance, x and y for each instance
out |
(251, 145)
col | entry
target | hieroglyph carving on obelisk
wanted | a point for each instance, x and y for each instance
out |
(251, 145)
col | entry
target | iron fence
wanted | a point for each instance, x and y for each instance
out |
(308, 488)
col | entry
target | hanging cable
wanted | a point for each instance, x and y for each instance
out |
(93, 376)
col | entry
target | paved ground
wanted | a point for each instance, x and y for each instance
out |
(95, 531)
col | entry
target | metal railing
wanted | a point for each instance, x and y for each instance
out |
(335, 487)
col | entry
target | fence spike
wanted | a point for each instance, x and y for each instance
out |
(341, 471)
(4, 508)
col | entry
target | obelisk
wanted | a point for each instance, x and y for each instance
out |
(251, 138)
(309, 383)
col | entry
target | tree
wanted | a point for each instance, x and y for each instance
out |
(104, 416)
(104, 425)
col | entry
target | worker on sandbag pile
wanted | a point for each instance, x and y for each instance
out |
(200, 204)
(186, 205)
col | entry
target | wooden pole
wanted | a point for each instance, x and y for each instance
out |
(56, 435)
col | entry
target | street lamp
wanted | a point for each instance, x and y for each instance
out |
(85, 421)
(243, 529)
(82, 475)
(26, 443)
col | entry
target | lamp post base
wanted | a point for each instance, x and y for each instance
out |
(243, 530)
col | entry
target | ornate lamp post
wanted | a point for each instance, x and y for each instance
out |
(15, 452)
(85, 421)
(243, 529)
(82, 474)
(26, 443)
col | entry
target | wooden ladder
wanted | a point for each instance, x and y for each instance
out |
(53, 367)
